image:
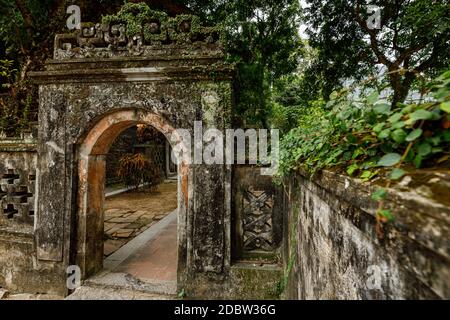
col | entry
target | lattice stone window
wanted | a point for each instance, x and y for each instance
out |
(10, 176)
(17, 195)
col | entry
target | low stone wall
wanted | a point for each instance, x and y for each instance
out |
(20, 270)
(17, 190)
(333, 251)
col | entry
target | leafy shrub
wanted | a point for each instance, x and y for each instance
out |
(135, 170)
(14, 105)
(364, 136)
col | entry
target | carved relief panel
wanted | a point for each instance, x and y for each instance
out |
(257, 216)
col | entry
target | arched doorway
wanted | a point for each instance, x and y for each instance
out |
(87, 96)
(91, 159)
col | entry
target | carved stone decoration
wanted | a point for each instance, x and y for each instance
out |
(183, 33)
(257, 221)
(16, 196)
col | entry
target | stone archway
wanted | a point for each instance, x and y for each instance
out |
(91, 153)
(99, 83)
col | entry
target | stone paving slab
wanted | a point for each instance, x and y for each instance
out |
(157, 259)
(129, 214)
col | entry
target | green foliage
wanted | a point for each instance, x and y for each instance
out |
(364, 135)
(293, 243)
(414, 36)
(14, 112)
(14, 115)
(137, 18)
(262, 38)
(182, 294)
(379, 195)
(7, 73)
(134, 16)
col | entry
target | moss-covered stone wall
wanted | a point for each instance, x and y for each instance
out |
(335, 250)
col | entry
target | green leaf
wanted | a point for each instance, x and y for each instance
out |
(368, 174)
(407, 109)
(379, 195)
(373, 97)
(378, 127)
(384, 134)
(334, 95)
(413, 135)
(396, 174)
(445, 106)
(399, 135)
(421, 114)
(424, 149)
(369, 164)
(386, 214)
(446, 135)
(435, 140)
(436, 115)
(445, 75)
(389, 160)
(351, 169)
(395, 117)
(417, 161)
(441, 93)
(351, 138)
(182, 294)
(381, 108)
(398, 125)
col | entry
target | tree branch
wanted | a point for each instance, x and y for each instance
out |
(373, 38)
(429, 62)
(26, 15)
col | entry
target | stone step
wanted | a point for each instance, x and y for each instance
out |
(106, 293)
(121, 286)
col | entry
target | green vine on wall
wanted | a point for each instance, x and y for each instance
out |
(367, 137)
(138, 19)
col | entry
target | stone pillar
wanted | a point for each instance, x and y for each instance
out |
(51, 176)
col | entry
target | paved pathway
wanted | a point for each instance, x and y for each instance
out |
(129, 214)
(144, 268)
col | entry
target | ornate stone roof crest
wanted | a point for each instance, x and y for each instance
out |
(136, 30)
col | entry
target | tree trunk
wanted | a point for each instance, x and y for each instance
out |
(26, 15)
(400, 86)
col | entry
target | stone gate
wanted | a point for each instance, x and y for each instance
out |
(101, 82)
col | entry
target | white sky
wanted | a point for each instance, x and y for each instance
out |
(302, 29)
